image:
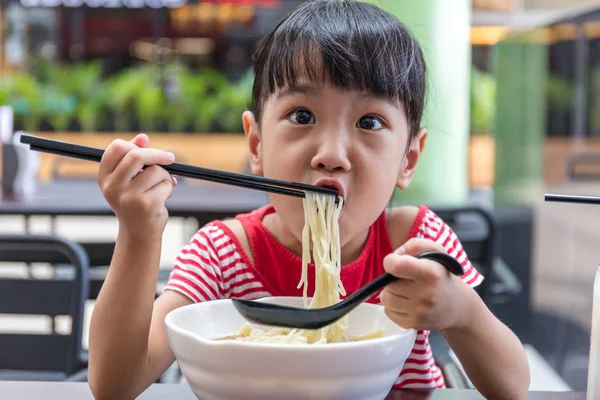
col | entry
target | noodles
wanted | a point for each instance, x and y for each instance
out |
(321, 235)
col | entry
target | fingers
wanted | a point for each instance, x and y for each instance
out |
(400, 318)
(402, 288)
(417, 246)
(117, 150)
(404, 264)
(405, 267)
(396, 308)
(141, 140)
(409, 311)
(150, 204)
(150, 190)
(122, 162)
(150, 177)
(138, 158)
(394, 301)
(420, 298)
(162, 191)
(112, 156)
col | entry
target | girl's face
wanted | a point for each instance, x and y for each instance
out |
(321, 135)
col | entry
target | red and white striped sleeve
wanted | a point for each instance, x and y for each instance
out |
(434, 228)
(197, 273)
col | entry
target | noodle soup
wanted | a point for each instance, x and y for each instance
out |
(285, 335)
(321, 230)
(217, 364)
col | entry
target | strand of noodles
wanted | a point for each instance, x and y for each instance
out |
(322, 221)
(321, 233)
(305, 253)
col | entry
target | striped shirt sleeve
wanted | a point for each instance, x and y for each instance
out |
(434, 228)
(196, 273)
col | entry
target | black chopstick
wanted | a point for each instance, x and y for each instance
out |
(191, 171)
(567, 198)
(230, 181)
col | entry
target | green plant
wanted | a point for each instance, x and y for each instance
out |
(80, 80)
(198, 95)
(59, 109)
(27, 99)
(482, 101)
(4, 91)
(203, 99)
(122, 89)
(560, 91)
(70, 87)
(149, 102)
(236, 98)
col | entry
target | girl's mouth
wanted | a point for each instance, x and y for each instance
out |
(332, 184)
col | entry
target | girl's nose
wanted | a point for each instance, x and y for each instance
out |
(332, 155)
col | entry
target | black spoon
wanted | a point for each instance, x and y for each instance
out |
(315, 318)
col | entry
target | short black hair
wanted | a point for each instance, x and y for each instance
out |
(348, 43)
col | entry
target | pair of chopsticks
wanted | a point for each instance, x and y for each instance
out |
(190, 171)
(567, 198)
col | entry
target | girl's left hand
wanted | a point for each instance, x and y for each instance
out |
(428, 296)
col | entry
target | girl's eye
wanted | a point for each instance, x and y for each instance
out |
(302, 117)
(369, 123)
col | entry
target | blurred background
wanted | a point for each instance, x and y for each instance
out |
(513, 113)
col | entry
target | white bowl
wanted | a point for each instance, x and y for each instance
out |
(233, 369)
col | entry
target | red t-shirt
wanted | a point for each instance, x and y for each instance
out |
(214, 265)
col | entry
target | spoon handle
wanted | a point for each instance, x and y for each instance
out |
(385, 279)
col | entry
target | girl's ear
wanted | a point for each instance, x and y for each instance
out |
(253, 135)
(413, 154)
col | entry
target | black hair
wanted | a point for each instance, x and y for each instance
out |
(349, 44)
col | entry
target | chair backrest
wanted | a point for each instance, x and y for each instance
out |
(100, 255)
(476, 228)
(51, 297)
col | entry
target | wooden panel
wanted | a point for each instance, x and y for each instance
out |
(541, 4)
(227, 152)
(493, 5)
(481, 161)
(557, 154)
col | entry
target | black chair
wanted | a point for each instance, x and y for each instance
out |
(99, 256)
(51, 356)
(476, 228)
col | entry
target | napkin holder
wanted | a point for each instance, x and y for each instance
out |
(19, 169)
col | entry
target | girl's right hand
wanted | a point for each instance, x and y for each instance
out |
(137, 196)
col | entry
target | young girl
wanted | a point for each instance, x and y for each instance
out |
(337, 101)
